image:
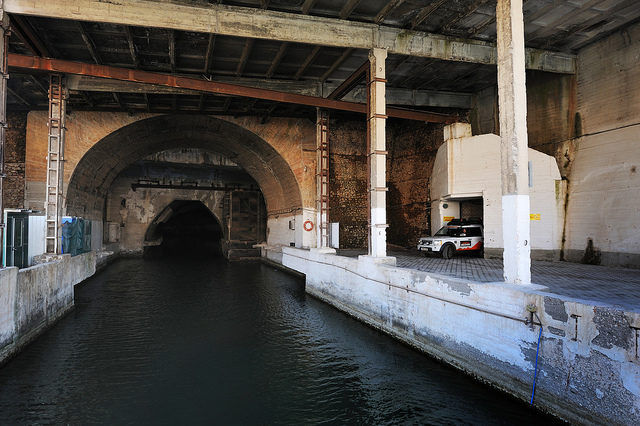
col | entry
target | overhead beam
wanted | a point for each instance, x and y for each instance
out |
(89, 43)
(381, 16)
(29, 37)
(281, 26)
(425, 13)
(138, 76)
(350, 82)
(309, 59)
(18, 97)
(307, 5)
(172, 50)
(395, 96)
(336, 64)
(348, 8)
(209, 55)
(277, 59)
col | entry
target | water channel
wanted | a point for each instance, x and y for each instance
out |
(193, 342)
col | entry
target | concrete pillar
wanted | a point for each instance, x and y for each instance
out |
(377, 156)
(512, 102)
(4, 75)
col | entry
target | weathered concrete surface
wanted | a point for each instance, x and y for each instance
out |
(512, 102)
(603, 206)
(589, 371)
(34, 298)
(273, 25)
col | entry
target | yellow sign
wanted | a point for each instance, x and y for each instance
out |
(534, 216)
(448, 218)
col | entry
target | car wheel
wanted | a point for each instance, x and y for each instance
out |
(447, 251)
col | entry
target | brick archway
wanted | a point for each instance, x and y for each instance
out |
(92, 177)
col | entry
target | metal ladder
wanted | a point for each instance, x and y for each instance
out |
(322, 177)
(55, 164)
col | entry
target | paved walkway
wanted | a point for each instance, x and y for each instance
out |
(613, 286)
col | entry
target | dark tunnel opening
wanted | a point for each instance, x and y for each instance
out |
(190, 231)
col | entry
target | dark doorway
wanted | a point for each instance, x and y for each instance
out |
(190, 230)
(17, 240)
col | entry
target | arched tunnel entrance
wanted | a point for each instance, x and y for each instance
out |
(128, 178)
(185, 229)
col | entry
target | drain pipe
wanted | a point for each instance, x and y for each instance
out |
(533, 311)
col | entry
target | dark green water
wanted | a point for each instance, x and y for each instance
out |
(155, 342)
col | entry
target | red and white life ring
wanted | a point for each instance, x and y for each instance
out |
(308, 225)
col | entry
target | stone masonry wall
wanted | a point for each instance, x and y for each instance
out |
(348, 180)
(412, 148)
(14, 159)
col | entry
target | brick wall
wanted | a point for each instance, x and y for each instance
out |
(14, 159)
(412, 148)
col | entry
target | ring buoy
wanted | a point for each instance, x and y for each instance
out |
(308, 225)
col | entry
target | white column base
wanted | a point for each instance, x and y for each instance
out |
(517, 240)
(377, 260)
(323, 250)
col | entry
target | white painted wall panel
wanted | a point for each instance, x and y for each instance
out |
(604, 201)
(36, 237)
(471, 166)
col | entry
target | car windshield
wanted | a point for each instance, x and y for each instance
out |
(451, 232)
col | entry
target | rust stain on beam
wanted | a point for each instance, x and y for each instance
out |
(138, 76)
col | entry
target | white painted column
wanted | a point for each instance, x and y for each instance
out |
(377, 156)
(512, 102)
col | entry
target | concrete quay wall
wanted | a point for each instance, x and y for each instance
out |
(32, 299)
(588, 366)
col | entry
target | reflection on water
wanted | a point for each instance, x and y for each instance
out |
(196, 342)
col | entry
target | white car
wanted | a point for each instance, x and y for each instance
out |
(456, 236)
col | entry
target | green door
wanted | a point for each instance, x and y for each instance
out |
(17, 240)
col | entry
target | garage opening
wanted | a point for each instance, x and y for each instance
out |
(471, 209)
(185, 229)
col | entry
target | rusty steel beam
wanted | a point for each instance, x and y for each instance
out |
(350, 82)
(139, 76)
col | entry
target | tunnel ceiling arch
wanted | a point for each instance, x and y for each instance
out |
(92, 177)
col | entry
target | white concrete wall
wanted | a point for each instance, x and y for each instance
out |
(604, 201)
(279, 234)
(470, 167)
(33, 298)
(604, 179)
(588, 372)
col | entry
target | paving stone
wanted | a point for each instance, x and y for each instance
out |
(619, 287)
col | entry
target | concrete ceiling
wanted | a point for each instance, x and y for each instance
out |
(420, 82)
